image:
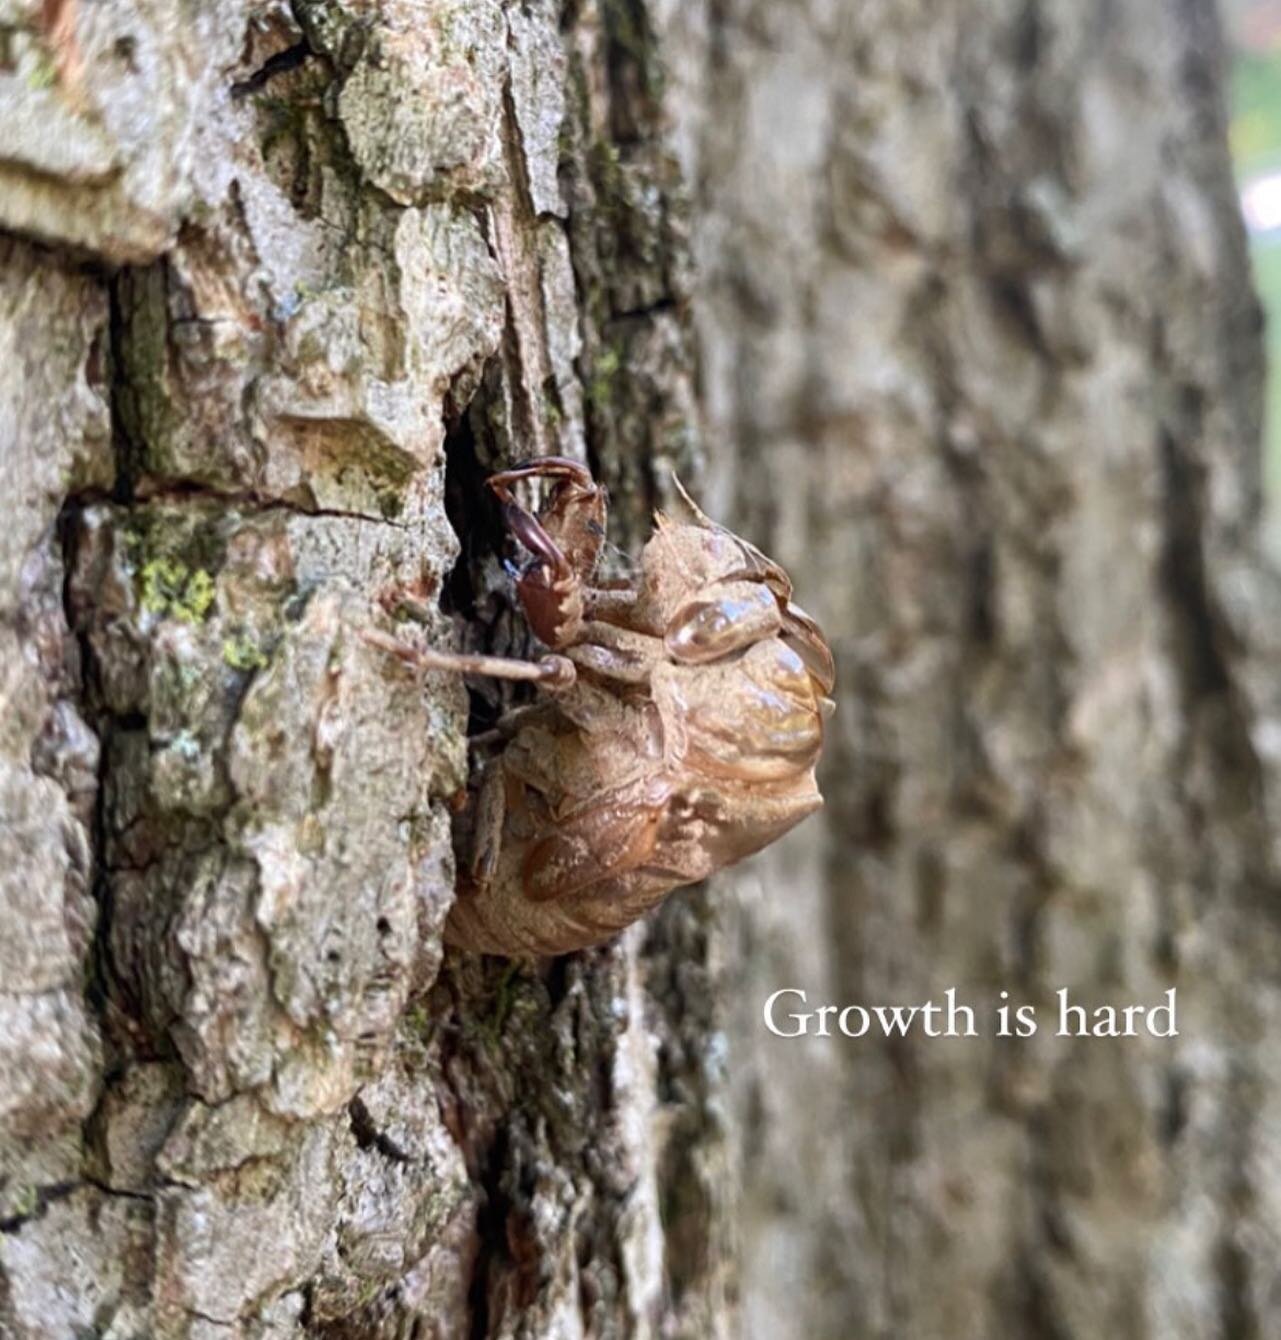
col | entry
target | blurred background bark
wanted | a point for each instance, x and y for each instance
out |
(946, 307)
(983, 366)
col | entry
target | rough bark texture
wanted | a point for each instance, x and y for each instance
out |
(983, 366)
(278, 280)
(278, 284)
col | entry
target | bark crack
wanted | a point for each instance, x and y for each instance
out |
(43, 1196)
(281, 63)
(256, 502)
(530, 375)
(368, 1136)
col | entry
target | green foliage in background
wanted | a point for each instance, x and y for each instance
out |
(1256, 113)
(1255, 135)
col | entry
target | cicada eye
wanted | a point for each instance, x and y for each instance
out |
(711, 627)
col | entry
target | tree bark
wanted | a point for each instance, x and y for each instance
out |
(976, 349)
(282, 283)
(983, 368)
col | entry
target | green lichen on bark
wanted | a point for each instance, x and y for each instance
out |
(170, 587)
(298, 1134)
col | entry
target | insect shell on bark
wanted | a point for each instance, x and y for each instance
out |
(678, 724)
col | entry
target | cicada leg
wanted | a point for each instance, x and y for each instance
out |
(507, 725)
(575, 492)
(552, 672)
(487, 823)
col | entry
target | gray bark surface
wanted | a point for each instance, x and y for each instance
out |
(276, 281)
(983, 366)
(975, 345)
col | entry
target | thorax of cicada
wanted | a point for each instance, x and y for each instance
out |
(742, 679)
(757, 716)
